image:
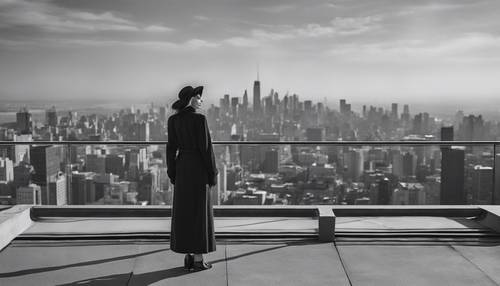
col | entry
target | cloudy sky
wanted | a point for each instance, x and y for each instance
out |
(362, 50)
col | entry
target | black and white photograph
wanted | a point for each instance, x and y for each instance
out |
(250, 142)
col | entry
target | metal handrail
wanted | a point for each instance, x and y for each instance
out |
(339, 143)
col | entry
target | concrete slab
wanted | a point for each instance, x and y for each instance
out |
(406, 223)
(485, 258)
(284, 264)
(59, 263)
(410, 265)
(166, 268)
(110, 225)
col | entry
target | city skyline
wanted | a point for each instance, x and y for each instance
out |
(436, 50)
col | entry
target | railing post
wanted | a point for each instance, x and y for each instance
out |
(494, 173)
(68, 172)
(326, 223)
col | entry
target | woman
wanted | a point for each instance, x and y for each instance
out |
(192, 227)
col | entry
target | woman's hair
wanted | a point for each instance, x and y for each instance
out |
(180, 105)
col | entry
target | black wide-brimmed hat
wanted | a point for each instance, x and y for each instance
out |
(185, 95)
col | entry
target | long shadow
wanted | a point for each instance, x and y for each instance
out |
(86, 263)
(155, 276)
(115, 279)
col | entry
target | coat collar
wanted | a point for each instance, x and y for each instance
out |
(188, 108)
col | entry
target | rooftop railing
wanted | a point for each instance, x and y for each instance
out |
(287, 172)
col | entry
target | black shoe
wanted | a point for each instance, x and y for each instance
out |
(188, 261)
(201, 265)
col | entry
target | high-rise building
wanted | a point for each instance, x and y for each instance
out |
(353, 164)
(234, 106)
(46, 161)
(6, 170)
(245, 100)
(270, 164)
(496, 194)
(51, 117)
(394, 111)
(472, 128)
(22, 152)
(345, 108)
(57, 191)
(384, 192)
(163, 114)
(256, 97)
(148, 184)
(30, 195)
(23, 122)
(100, 181)
(315, 134)
(405, 116)
(447, 133)
(452, 176)
(482, 185)
(397, 164)
(115, 164)
(409, 164)
(95, 163)
(82, 190)
(22, 175)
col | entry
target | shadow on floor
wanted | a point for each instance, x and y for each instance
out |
(116, 279)
(155, 276)
(86, 263)
(131, 279)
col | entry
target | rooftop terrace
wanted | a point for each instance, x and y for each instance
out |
(290, 245)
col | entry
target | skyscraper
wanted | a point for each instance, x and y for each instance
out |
(51, 117)
(452, 176)
(30, 195)
(447, 133)
(46, 160)
(23, 121)
(234, 106)
(394, 111)
(384, 192)
(482, 185)
(256, 97)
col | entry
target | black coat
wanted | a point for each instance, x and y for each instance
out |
(191, 171)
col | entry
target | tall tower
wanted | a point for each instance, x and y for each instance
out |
(245, 99)
(51, 117)
(23, 121)
(256, 95)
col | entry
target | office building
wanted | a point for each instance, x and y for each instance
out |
(452, 176)
(30, 195)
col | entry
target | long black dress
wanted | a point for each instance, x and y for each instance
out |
(192, 227)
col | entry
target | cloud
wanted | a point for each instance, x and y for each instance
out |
(51, 18)
(157, 29)
(339, 26)
(198, 43)
(242, 42)
(466, 47)
(355, 25)
(432, 8)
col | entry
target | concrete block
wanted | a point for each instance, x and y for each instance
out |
(326, 224)
(13, 222)
(491, 219)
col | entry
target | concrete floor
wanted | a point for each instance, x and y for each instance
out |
(462, 255)
(152, 263)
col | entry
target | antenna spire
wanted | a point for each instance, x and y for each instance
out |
(257, 71)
